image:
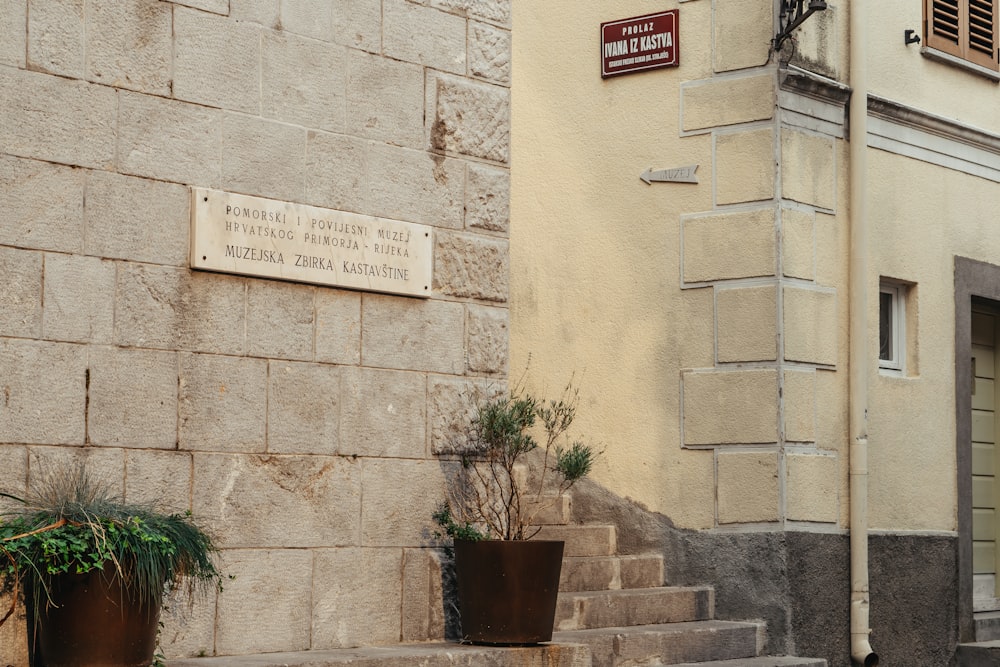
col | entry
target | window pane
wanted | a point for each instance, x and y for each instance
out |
(885, 334)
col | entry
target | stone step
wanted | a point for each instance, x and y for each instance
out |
(667, 644)
(987, 625)
(549, 510)
(978, 654)
(762, 661)
(437, 654)
(637, 606)
(601, 573)
(582, 540)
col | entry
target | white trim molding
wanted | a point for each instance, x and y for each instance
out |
(924, 136)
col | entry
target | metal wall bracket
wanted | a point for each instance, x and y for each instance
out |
(793, 14)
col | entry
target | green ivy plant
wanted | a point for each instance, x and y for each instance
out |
(488, 497)
(71, 524)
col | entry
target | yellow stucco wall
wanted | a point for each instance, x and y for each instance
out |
(595, 251)
(923, 216)
(631, 286)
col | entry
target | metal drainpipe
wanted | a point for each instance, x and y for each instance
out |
(861, 650)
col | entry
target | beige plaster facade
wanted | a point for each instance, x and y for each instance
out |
(738, 421)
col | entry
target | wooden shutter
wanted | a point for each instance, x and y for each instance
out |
(982, 46)
(969, 29)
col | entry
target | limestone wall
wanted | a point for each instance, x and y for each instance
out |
(300, 423)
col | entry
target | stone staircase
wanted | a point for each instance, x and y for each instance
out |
(613, 611)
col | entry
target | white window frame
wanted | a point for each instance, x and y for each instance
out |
(897, 322)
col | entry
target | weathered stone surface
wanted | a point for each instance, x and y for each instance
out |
(497, 11)
(267, 593)
(708, 103)
(744, 166)
(358, 24)
(412, 334)
(132, 398)
(694, 334)
(813, 178)
(338, 327)
(13, 38)
(214, 6)
(58, 120)
(810, 320)
(262, 157)
(798, 243)
(129, 44)
(489, 52)
(423, 35)
(748, 487)
(747, 323)
(14, 463)
(800, 406)
(79, 299)
(383, 413)
(303, 408)
(105, 466)
(729, 245)
(168, 308)
(42, 392)
(345, 613)
(289, 501)
(216, 61)
(283, 321)
(336, 172)
(451, 406)
(470, 118)
(812, 487)
(188, 628)
(44, 203)
(749, 398)
(472, 267)
(161, 478)
(21, 298)
(304, 81)
(222, 403)
(55, 37)
(264, 12)
(312, 18)
(751, 19)
(422, 603)
(487, 339)
(385, 100)
(155, 232)
(13, 638)
(415, 186)
(487, 198)
(169, 140)
(400, 497)
(425, 654)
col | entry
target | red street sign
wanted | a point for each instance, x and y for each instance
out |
(638, 44)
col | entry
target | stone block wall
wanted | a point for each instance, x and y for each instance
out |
(301, 424)
(767, 403)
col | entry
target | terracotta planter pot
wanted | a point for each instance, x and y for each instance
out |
(93, 622)
(507, 590)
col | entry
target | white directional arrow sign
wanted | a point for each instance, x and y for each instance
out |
(678, 175)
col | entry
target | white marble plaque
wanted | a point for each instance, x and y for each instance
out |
(253, 236)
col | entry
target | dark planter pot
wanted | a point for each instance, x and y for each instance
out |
(93, 622)
(507, 590)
